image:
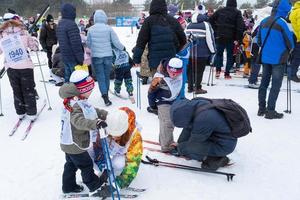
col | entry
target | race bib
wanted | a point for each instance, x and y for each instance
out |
(14, 49)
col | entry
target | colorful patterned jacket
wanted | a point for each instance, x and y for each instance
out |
(134, 152)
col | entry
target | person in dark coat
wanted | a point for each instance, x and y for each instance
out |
(69, 40)
(229, 26)
(205, 135)
(162, 33)
(48, 38)
(202, 50)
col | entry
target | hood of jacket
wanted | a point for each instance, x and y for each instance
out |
(158, 7)
(100, 17)
(182, 111)
(198, 18)
(231, 3)
(68, 90)
(296, 5)
(281, 8)
(68, 11)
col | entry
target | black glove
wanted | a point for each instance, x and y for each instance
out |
(101, 124)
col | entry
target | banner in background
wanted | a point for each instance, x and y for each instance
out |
(126, 21)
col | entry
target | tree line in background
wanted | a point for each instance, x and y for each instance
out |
(116, 8)
(29, 8)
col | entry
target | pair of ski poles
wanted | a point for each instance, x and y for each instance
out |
(108, 164)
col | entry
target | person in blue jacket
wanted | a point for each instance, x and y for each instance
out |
(69, 40)
(205, 135)
(274, 56)
(101, 39)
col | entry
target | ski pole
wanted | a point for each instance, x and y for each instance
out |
(209, 77)
(1, 113)
(38, 58)
(156, 162)
(108, 163)
(288, 97)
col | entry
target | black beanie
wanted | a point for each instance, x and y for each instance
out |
(50, 18)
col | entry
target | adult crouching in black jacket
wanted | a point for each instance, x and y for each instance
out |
(69, 40)
(163, 34)
(48, 37)
(205, 134)
(229, 26)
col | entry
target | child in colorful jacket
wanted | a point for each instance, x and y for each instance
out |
(247, 48)
(125, 146)
(123, 64)
(164, 90)
(15, 42)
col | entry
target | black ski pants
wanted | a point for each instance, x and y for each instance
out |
(195, 71)
(22, 83)
(83, 162)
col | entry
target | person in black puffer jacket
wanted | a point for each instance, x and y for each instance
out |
(48, 37)
(229, 26)
(162, 32)
(69, 40)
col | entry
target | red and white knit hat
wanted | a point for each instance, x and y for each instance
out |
(174, 67)
(83, 82)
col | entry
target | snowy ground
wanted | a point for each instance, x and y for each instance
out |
(266, 161)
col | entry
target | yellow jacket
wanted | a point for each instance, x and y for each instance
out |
(295, 19)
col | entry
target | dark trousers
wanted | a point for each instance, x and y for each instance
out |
(254, 73)
(69, 68)
(195, 71)
(276, 72)
(295, 62)
(83, 162)
(123, 73)
(219, 56)
(49, 56)
(22, 83)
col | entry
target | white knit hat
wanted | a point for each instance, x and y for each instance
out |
(117, 123)
(175, 63)
(8, 16)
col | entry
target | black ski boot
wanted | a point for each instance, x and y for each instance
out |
(106, 100)
(152, 110)
(272, 114)
(77, 189)
(261, 112)
(214, 163)
(144, 80)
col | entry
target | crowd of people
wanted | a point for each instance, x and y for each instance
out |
(169, 49)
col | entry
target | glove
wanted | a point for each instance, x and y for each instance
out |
(101, 124)
(124, 48)
(174, 151)
(44, 50)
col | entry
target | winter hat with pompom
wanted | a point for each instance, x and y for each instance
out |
(82, 81)
(172, 9)
(117, 123)
(201, 9)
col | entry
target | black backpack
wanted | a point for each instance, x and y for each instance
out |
(235, 115)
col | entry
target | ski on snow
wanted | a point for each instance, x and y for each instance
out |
(86, 195)
(15, 128)
(157, 163)
(32, 122)
(125, 196)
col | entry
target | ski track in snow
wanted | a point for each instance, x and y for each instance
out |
(266, 161)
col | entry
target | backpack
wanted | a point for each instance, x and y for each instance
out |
(235, 115)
